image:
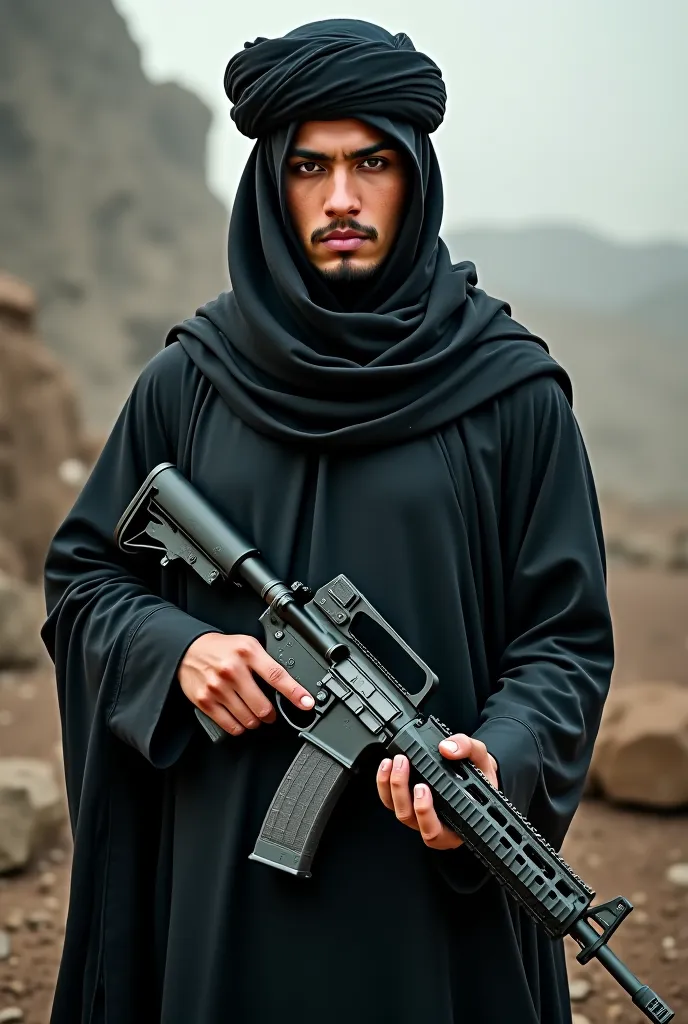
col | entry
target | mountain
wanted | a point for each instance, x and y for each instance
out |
(567, 266)
(104, 205)
(665, 310)
(630, 395)
(617, 318)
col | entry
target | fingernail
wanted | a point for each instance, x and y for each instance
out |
(399, 762)
(385, 765)
(450, 745)
(307, 700)
(420, 792)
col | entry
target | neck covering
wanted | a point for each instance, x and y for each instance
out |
(424, 344)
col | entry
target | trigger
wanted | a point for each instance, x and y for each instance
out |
(307, 717)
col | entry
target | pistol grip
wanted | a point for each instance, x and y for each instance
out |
(212, 728)
(299, 811)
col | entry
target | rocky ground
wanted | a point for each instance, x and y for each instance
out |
(615, 850)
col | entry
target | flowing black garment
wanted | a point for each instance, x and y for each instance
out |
(480, 543)
(424, 444)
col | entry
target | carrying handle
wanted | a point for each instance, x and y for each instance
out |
(299, 811)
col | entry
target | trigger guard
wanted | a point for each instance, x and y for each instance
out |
(288, 720)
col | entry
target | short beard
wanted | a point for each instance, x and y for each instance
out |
(347, 282)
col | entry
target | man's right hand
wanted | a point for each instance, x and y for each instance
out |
(216, 676)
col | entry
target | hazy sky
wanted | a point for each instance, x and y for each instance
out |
(566, 110)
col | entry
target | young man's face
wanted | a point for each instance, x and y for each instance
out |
(345, 193)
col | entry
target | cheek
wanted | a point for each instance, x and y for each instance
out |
(387, 205)
(300, 210)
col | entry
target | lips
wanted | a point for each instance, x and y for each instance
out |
(344, 241)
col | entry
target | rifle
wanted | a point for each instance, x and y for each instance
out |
(341, 650)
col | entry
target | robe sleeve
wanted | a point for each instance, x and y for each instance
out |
(116, 643)
(541, 720)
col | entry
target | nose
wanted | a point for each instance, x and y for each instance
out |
(341, 199)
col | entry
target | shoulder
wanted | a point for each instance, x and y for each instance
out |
(168, 367)
(544, 397)
(164, 393)
(169, 377)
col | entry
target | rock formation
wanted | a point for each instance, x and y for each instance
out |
(32, 807)
(40, 434)
(641, 754)
(105, 207)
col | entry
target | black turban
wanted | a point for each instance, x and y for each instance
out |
(423, 344)
(333, 69)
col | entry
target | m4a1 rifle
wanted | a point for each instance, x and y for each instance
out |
(324, 640)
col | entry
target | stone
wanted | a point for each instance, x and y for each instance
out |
(6, 718)
(614, 1011)
(11, 561)
(38, 918)
(57, 856)
(31, 808)
(14, 920)
(11, 1015)
(677, 874)
(46, 883)
(641, 753)
(22, 611)
(579, 989)
(578, 1018)
(51, 903)
(5, 945)
(16, 986)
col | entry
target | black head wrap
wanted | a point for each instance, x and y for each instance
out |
(424, 345)
(330, 70)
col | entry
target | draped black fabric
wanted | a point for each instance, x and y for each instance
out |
(424, 345)
(424, 444)
(333, 69)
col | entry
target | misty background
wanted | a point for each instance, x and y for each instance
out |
(571, 111)
(564, 155)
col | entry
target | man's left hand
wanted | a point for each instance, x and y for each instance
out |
(417, 810)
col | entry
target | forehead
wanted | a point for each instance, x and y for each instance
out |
(332, 136)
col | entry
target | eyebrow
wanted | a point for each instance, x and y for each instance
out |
(358, 154)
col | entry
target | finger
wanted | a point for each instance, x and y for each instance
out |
(461, 746)
(277, 676)
(252, 696)
(383, 784)
(434, 832)
(401, 796)
(222, 688)
(237, 707)
(222, 717)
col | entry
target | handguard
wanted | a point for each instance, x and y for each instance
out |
(342, 651)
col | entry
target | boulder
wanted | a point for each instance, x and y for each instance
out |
(11, 562)
(22, 610)
(641, 753)
(31, 808)
(40, 434)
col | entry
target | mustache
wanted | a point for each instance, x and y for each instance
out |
(345, 224)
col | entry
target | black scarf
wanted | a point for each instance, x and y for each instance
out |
(424, 345)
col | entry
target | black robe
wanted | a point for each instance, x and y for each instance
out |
(480, 542)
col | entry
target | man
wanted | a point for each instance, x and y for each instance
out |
(356, 404)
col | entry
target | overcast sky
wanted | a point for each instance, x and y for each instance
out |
(558, 110)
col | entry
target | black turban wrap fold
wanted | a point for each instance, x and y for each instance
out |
(330, 70)
(424, 345)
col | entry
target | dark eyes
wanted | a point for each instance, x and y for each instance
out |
(371, 163)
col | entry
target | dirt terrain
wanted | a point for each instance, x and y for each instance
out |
(616, 851)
